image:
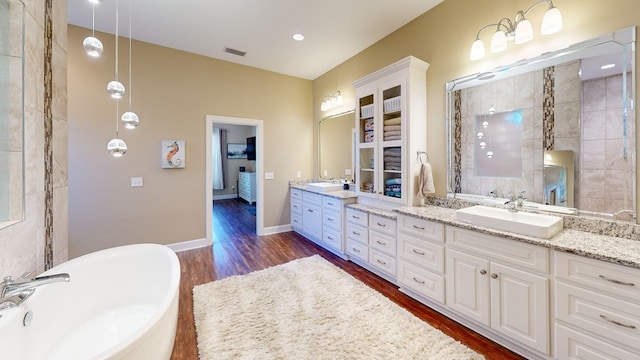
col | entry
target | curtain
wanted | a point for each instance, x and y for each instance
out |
(217, 146)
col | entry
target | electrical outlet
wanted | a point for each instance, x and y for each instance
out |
(233, 188)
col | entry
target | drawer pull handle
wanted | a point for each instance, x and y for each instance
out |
(382, 225)
(330, 204)
(356, 250)
(309, 210)
(330, 219)
(330, 237)
(418, 281)
(355, 233)
(381, 243)
(617, 322)
(494, 276)
(418, 252)
(355, 217)
(418, 227)
(381, 262)
(616, 281)
(484, 272)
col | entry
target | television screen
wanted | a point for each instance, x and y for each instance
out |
(251, 148)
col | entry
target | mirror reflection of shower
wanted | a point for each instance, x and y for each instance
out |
(559, 178)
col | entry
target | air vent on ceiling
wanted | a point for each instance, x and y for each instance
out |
(235, 52)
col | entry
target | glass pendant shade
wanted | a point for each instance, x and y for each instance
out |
(92, 46)
(551, 22)
(477, 50)
(498, 42)
(117, 147)
(130, 120)
(115, 89)
(524, 31)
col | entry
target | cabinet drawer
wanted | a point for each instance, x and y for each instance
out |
(382, 242)
(331, 220)
(382, 261)
(422, 253)
(422, 229)
(296, 194)
(421, 281)
(332, 238)
(358, 233)
(312, 198)
(357, 250)
(358, 217)
(296, 206)
(572, 344)
(614, 279)
(383, 225)
(332, 203)
(296, 221)
(606, 316)
(509, 251)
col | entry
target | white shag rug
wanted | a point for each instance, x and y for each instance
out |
(310, 309)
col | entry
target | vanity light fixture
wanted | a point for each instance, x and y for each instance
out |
(91, 44)
(519, 30)
(130, 120)
(331, 101)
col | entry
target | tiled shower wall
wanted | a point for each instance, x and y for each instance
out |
(607, 177)
(22, 246)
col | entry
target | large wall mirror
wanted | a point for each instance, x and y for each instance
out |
(11, 112)
(564, 121)
(335, 146)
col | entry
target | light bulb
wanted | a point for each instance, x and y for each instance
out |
(483, 145)
(130, 120)
(489, 154)
(117, 147)
(92, 46)
(551, 22)
(477, 50)
(524, 31)
(323, 107)
(340, 99)
(498, 42)
(115, 89)
(480, 135)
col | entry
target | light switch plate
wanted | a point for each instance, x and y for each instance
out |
(347, 171)
(268, 175)
(298, 174)
(136, 181)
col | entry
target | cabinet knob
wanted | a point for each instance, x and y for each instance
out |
(483, 272)
(494, 276)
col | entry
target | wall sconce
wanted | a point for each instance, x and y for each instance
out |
(519, 30)
(331, 101)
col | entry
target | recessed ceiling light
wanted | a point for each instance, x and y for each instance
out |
(608, 66)
(298, 37)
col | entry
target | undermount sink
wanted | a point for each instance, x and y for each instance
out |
(523, 223)
(324, 187)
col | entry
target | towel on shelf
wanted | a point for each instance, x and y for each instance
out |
(392, 138)
(392, 128)
(394, 121)
(393, 181)
(425, 182)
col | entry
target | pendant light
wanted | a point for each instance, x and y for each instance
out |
(115, 87)
(116, 146)
(130, 119)
(91, 44)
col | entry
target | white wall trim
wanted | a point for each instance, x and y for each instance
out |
(277, 229)
(189, 245)
(225, 197)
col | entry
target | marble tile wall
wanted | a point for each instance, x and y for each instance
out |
(607, 177)
(22, 246)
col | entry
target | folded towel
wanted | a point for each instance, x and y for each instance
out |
(425, 183)
(393, 181)
(393, 150)
(392, 138)
(392, 128)
(394, 132)
(394, 121)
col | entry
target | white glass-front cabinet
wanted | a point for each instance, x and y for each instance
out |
(391, 123)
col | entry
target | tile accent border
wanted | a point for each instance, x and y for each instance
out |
(48, 135)
(548, 108)
(457, 156)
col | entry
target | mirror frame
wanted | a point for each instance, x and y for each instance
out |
(319, 142)
(622, 37)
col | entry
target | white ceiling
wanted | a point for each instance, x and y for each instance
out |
(334, 30)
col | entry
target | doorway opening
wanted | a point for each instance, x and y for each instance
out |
(254, 127)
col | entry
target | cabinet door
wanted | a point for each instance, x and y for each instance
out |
(366, 118)
(391, 140)
(519, 306)
(468, 285)
(312, 220)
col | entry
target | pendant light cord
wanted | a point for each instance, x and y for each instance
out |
(130, 81)
(93, 20)
(117, 22)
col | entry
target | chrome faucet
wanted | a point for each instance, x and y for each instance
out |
(516, 202)
(15, 292)
(521, 199)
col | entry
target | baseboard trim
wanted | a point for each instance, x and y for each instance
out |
(225, 197)
(189, 245)
(276, 229)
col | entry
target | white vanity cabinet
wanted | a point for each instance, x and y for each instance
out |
(382, 244)
(247, 186)
(391, 129)
(312, 215)
(296, 209)
(357, 235)
(421, 257)
(501, 284)
(597, 309)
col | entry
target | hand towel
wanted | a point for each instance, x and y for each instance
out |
(425, 183)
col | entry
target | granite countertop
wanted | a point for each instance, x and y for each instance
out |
(601, 247)
(341, 194)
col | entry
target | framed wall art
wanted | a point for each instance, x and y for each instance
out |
(173, 154)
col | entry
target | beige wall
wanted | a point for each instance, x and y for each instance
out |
(22, 246)
(443, 36)
(173, 91)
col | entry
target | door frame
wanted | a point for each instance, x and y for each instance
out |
(210, 120)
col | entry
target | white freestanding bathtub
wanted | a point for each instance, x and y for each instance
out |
(120, 303)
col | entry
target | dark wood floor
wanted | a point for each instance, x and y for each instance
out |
(237, 250)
